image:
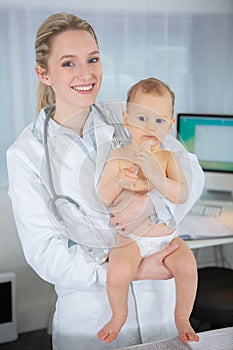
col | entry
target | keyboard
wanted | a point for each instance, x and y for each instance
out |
(206, 210)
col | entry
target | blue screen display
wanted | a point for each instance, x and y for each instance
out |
(210, 137)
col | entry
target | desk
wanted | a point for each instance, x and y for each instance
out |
(219, 339)
(209, 242)
(216, 243)
(209, 231)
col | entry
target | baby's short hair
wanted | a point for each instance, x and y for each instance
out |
(150, 86)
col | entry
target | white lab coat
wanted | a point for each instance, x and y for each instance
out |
(82, 306)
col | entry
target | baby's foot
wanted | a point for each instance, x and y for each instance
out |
(111, 330)
(185, 331)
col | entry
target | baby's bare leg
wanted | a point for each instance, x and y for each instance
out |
(182, 264)
(123, 263)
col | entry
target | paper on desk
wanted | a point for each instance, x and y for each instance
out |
(197, 227)
(218, 339)
(170, 344)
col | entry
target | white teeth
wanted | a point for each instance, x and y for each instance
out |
(83, 88)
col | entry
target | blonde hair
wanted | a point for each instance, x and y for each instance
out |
(48, 30)
(151, 86)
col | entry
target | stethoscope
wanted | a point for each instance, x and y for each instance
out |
(55, 197)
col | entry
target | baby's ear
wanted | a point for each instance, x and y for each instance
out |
(173, 119)
(125, 119)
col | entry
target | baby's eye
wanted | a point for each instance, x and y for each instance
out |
(142, 118)
(160, 121)
(68, 64)
(94, 60)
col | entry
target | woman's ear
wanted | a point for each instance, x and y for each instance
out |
(43, 76)
(125, 119)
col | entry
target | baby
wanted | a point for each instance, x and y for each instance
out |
(141, 166)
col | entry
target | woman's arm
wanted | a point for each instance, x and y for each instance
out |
(45, 244)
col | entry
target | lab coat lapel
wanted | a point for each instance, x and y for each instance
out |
(68, 145)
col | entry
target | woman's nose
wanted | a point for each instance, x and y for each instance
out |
(84, 72)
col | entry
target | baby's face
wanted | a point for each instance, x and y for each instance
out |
(149, 117)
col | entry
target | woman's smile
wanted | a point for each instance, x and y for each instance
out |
(83, 88)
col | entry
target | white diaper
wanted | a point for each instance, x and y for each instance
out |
(150, 245)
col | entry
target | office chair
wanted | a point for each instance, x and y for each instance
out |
(214, 299)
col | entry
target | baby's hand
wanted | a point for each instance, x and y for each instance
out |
(149, 164)
(127, 180)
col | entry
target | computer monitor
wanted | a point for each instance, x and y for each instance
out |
(210, 137)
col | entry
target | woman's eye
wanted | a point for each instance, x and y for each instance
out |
(68, 64)
(142, 119)
(94, 60)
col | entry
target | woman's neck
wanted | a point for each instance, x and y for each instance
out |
(72, 120)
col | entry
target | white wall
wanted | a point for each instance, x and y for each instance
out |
(191, 6)
(34, 296)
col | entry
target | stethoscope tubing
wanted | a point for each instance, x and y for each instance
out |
(54, 196)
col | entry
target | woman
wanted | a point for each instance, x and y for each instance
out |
(69, 70)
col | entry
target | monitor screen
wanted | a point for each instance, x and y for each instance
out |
(210, 137)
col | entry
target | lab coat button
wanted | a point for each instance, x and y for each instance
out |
(133, 341)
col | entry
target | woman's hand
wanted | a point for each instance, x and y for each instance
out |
(130, 210)
(153, 267)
